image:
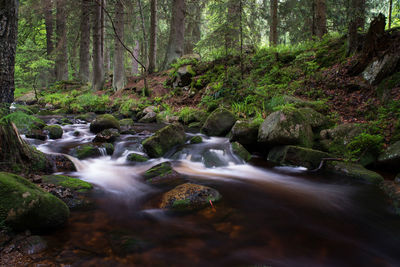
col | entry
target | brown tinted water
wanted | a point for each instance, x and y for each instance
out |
(267, 216)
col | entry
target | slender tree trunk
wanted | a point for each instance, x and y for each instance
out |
(357, 21)
(144, 43)
(98, 63)
(84, 54)
(153, 36)
(193, 30)
(119, 70)
(135, 64)
(61, 64)
(320, 17)
(177, 32)
(273, 32)
(390, 13)
(8, 42)
(233, 24)
(49, 22)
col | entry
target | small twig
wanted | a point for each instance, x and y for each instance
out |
(323, 160)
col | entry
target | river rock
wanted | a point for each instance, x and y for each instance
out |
(135, 157)
(55, 131)
(354, 171)
(240, 151)
(392, 191)
(23, 205)
(149, 109)
(163, 175)
(61, 163)
(391, 156)
(36, 134)
(107, 135)
(297, 156)
(164, 139)
(91, 150)
(103, 122)
(189, 197)
(341, 135)
(87, 117)
(71, 183)
(244, 132)
(286, 128)
(149, 117)
(196, 139)
(219, 123)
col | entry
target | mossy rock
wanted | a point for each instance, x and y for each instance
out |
(23, 205)
(68, 182)
(286, 128)
(195, 125)
(103, 122)
(36, 134)
(212, 159)
(219, 123)
(336, 139)
(189, 197)
(244, 132)
(126, 123)
(391, 157)
(240, 151)
(107, 135)
(149, 118)
(134, 157)
(88, 117)
(354, 171)
(163, 175)
(55, 131)
(164, 139)
(297, 156)
(86, 151)
(196, 140)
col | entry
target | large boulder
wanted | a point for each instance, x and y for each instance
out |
(23, 205)
(353, 171)
(286, 128)
(296, 156)
(391, 157)
(164, 139)
(244, 132)
(163, 175)
(189, 197)
(54, 131)
(103, 122)
(338, 137)
(219, 123)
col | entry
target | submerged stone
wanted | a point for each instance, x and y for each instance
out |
(135, 157)
(23, 205)
(240, 151)
(163, 175)
(196, 140)
(189, 197)
(354, 171)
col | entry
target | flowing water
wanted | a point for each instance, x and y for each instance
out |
(268, 216)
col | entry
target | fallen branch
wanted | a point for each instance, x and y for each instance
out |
(323, 160)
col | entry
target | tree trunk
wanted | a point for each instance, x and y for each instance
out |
(84, 54)
(61, 63)
(390, 13)
(135, 64)
(144, 43)
(176, 33)
(98, 63)
(320, 17)
(193, 30)
(357, 21)
(48, 21)
(273, 32)
(233, 24)
(153, 36)
(8, 42)
(119, 70)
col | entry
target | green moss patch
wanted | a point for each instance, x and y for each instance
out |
(68, 182)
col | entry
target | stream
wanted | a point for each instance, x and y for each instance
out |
(268, 216)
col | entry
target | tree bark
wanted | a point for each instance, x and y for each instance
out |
(8, 42)
(49, 23)
(320, 18)
(193, 29)
(61, 63)
(98, 62)
(135, 64)
(177, 32)
(273, 32)
(357, 21)
(153, 36)
(119, 70)
(233, 24)
(84, 54)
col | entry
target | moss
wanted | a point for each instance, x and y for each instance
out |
(86, 151)
(103, 122)
(136, 158)
(161, 169)
(239, 150)
(68, 182)
(196, 140)
(181, 204)
(126, 122)
(55, 131)
(23, 205)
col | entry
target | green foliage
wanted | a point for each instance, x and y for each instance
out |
(23, 121)
(364, 143)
